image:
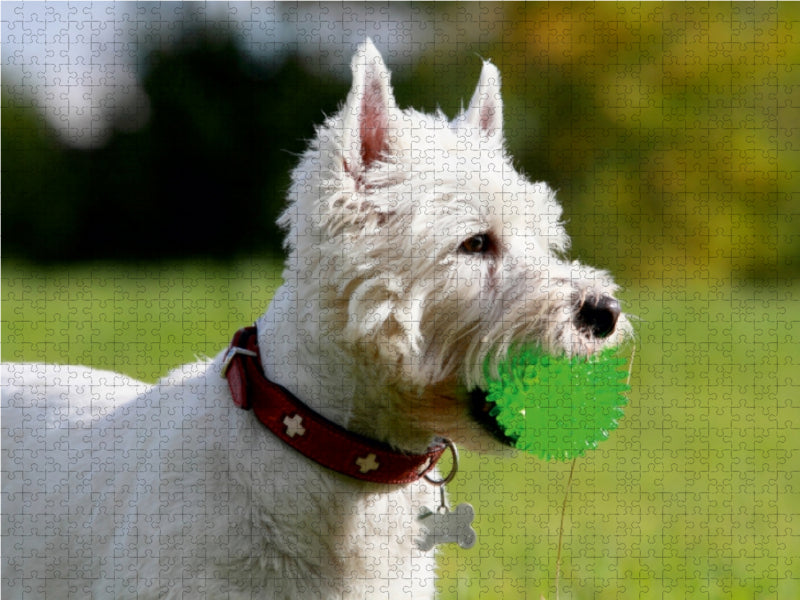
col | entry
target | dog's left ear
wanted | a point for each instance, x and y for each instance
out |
(485, 111)
(369, 111)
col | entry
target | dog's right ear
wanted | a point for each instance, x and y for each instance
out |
(368, 112)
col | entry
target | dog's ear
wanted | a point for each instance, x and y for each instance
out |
(369, 111)
(485, 111)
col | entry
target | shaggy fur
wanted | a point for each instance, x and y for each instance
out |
(416, 253)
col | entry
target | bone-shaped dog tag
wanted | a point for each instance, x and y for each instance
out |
(447, 526)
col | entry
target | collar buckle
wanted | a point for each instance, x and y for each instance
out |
(231, 353)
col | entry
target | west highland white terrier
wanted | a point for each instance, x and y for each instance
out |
(417, 254)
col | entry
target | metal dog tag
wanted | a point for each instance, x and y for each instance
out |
(447, 526)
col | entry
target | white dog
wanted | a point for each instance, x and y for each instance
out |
(416, 254)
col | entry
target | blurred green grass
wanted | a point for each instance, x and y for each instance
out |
(138, 319)
(695, 496)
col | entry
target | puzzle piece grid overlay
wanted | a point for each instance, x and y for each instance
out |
(696, 494)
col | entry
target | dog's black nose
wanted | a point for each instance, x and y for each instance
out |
(598, 315)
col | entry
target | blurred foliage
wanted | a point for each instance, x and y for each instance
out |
(668, 129)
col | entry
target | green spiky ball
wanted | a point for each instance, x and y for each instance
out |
(558, 407)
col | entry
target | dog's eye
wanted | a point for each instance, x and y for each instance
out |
(477, 244)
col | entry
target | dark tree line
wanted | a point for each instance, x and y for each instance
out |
(207, 174)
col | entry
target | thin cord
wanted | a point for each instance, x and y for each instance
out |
(561, 527)
(566, 496)
(630, 365)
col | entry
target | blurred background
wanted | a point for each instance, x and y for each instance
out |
(670, 131)
(146, 150)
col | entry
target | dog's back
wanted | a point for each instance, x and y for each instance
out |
(113, 487)
(58, 444)
(107, 480)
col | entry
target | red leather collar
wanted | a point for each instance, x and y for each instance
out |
(310, 433)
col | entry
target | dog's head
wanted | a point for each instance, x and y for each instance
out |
(424, 255)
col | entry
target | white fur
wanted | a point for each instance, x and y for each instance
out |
(117, 489)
